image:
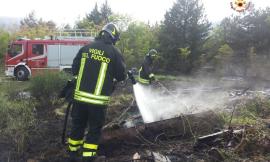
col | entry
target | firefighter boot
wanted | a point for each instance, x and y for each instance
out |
(73, 156)
(88, 159)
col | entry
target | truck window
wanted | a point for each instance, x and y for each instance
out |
(38, 49)
(15, 50)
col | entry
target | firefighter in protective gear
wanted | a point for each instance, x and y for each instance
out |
(95, 66)
(146, 75)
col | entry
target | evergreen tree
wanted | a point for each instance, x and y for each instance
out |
(105, 12)
(185, 27)
(95, 16)
(30, 20)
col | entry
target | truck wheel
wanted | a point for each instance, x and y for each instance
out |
(21, 74)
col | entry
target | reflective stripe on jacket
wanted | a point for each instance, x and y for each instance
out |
(96, 65)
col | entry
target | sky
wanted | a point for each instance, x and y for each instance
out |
(67, 11)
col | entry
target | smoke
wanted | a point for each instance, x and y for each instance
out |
(159, 103)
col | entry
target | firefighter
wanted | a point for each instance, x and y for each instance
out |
(95, 67)
(146, 75)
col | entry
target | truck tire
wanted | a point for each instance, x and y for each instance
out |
(21, 73)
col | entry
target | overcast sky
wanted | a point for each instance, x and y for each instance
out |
(67, 11)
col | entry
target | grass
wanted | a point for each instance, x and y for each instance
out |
(45, 88)
(17, 117)
(18, 112)
(123, 99)
(117, 105)
(249, 113)
(168, 77)
(254, 143)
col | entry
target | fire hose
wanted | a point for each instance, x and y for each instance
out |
(67, 93)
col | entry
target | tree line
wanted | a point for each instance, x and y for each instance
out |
(186, 40)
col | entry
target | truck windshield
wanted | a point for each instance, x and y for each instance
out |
(15, 50)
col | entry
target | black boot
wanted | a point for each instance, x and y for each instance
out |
(88, 159)
(73, 157)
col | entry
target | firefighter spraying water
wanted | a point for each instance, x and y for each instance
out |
(145, 78)
(143, 88)
(152, 96)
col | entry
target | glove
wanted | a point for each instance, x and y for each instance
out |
(131, 77)
(68, 90)
(152, 77)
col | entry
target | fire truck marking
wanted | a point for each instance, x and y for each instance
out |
(96, 51)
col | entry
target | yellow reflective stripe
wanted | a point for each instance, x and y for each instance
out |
(74, 148)
(151, 75)
(90, 146)
(87, 100)
(89, 154)
(101, 78)
(75, 142)
(113, 32)
(80, 73)
(141, 80)
(89, 95)
(140, 72)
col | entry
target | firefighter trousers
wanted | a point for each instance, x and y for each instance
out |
(84, 115)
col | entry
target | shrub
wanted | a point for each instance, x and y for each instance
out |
(46, 87)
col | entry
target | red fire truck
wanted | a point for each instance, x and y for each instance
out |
(26, 57)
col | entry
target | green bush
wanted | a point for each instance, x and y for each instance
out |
(46, 87)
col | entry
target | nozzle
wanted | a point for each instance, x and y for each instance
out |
(131, 77)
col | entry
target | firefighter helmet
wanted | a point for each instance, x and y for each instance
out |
(152, 53)
(112, 30)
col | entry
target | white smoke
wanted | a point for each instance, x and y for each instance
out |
(159, 104)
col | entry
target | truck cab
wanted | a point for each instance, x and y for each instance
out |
(16, 59)
(26, 57)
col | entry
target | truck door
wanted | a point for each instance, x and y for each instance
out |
(36, 55)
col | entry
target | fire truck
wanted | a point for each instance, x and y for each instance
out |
(26, 57)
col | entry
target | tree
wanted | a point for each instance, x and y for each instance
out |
(85, 24)
(246, 34)
(94, 16)
(96, 19)
(224, 59)
(136, 41)
(100, 17)
(122, 21)
(4, 39)
(251, 29)
(32, 27)
(29, 21)
(214, 41)
(185, 27)
(105, 12)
